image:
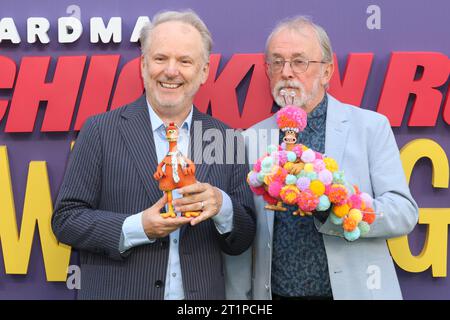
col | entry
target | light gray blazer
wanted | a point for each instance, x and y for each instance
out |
(363, 144)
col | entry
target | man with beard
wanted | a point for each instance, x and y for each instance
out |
(305, 257)
(109, 204)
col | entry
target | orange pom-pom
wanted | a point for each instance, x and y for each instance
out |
(338, 194)
(349, 224)
(369, 215)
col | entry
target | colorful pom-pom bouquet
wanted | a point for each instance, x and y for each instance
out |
(296, 175)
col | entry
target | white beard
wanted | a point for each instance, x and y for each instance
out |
(300, 101)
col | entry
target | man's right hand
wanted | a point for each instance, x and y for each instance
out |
(156, 226)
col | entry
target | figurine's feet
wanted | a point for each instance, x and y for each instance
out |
(189, 214)
(168, 215)
(275, 207)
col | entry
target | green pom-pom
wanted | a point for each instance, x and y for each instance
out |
(338, 177)
(364, 227)
(272, 148)
(302, 173)
(311, 175)
(324, 203)
(291, 179)
(353, 235)
(335, 219)
(291, 156)
(261, 176)
(267, 163)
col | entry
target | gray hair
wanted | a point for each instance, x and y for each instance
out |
(187, 16)
(300, 22)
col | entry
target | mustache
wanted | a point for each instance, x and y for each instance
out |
(288, 84)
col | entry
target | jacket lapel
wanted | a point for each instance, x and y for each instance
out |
(136, 130)
(336, 130)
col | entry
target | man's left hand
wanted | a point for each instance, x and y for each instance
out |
(199, 197)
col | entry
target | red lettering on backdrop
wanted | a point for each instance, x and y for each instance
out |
(97, 88)
(203, 96)
(222, 92)
(129, 85)
(31, 88)
(446, 112)
(7, 76)
(353, 84)
(399, 83)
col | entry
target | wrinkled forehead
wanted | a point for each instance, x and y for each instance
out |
(292, 43)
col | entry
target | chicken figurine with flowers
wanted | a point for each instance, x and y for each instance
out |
(295, 175)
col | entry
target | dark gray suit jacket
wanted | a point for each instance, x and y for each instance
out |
(110, 177)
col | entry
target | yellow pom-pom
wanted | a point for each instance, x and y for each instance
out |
(288, 166)
(304, 148)
(268, 179)
(317, 187)
(341, 211)
(309, 167)
(356, 215)
(331, 164)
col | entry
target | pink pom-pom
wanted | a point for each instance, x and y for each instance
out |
(318, 155)
(326, 177)
(275, 188)
(327, 189)
(291, 117)
(307, 201)
(308, 156)
(354, 201)
(282, 158)
(259, 191)
(257, 166)
(298, 150)
(319, 165)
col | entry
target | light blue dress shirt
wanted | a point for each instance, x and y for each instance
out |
(133, 231)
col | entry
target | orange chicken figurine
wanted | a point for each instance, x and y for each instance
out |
(179, 171)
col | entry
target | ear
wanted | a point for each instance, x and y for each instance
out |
(267, 70)
(143, 64)
(327, 73)
(205, 72)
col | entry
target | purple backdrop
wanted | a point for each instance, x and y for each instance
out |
(237, 27)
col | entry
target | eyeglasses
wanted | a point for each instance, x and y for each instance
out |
(297, 65)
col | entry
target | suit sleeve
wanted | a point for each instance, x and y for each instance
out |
(244, 220)
(75, 220)
(392, 197)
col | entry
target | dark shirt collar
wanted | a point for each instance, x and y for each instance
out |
(317, 117)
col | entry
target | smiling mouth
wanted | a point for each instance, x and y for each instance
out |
(166, 85)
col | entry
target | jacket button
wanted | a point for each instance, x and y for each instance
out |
(158, 284)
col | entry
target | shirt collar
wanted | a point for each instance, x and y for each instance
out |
(320, 110)
(317, 117)
(157, 123)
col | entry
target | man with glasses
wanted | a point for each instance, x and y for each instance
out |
(305, 257)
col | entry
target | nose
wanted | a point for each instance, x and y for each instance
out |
(171, 69)
(286, 72)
